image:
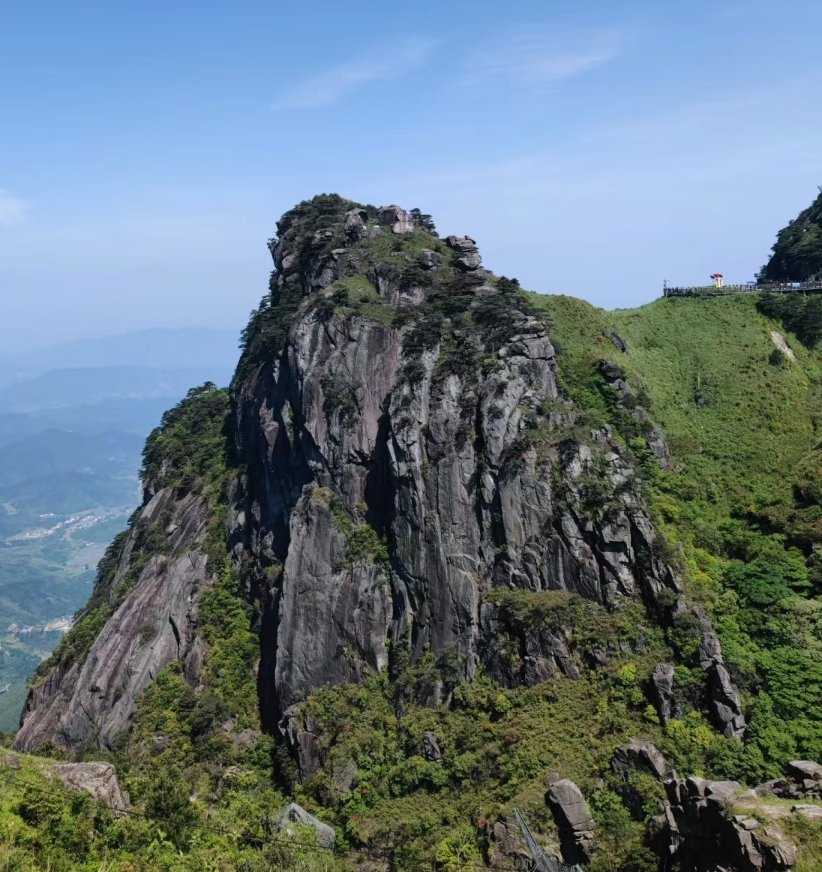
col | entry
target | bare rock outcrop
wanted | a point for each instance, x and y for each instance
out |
(397, 219)
(725, 705)
(803, 780)
(99, 780)
(396, 484)
(91, 700)
(573, 820)
(662, 691)
(294, 816)
(702, 833)
(705, 825)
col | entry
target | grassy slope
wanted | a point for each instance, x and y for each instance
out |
(758, 419)
(741, 430)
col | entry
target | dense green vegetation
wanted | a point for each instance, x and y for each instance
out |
(497, 746)
(741, 505)
(44, 826)
(799, 313)
(740, 511)
(797, 253)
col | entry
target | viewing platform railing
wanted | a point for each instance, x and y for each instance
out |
(814, 287)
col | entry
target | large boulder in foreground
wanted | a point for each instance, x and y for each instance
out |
(294, 816)
(573, 819)
(707, 827)
(99, 780)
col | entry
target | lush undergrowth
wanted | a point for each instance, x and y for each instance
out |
(797, 253)
(414, 786)
(496, 747)
(742, 503)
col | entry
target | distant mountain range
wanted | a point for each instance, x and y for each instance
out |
(155, 349)
(73, 419)
(65, 388)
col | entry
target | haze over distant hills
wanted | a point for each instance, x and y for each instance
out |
(164, 348)
(73, 418)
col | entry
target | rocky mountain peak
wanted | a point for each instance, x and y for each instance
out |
(404, 460)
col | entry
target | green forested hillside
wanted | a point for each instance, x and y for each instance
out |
(416, 761)
(742, 502)
(797, 253)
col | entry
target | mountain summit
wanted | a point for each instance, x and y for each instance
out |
(433, 542)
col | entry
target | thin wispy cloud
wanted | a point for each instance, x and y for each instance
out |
(541, 57)
(11, 208)
(334, 83)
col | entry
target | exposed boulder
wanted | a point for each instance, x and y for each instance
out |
(294, 816)
(610, 371)
(724, 702)
(300, 733)
(431, 746)
(573, 820)
(428, 259)
(10, 761)
(662, 691)
(637, 757)
(160, 743)
(397, 219)
(805, 771)
(99, 780)
(803, 780)
(659, 447)
(469, 259)
(618, 342)
(356, 224)
(699, 831)
(642, 756)
(812, 812)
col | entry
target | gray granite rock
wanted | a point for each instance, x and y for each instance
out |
(431, 747)
(156, 622)
(294, 816)
(573, 820)
(397, 219)
(99, 780)
(662, 691)
(699, 832)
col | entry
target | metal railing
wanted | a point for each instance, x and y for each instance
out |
(541, 862)
(814, 287)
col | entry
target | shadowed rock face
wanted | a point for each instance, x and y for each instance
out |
(707, 825)
(359, 424)
(91, 702)
(396, 461)
(573, 820)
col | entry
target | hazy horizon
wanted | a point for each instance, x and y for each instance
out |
(593, 151)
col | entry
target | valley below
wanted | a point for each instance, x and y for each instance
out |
(71, 434)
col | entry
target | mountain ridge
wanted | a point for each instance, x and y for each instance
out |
(424, 520)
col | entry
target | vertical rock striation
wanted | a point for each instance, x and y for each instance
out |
(401, 450)
(90, 700)
(406, 450)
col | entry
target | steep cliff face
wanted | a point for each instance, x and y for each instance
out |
(87, 701)
(407, 451)
(402, 453)
(143, 614)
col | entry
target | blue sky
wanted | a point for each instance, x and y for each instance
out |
(146, 149)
